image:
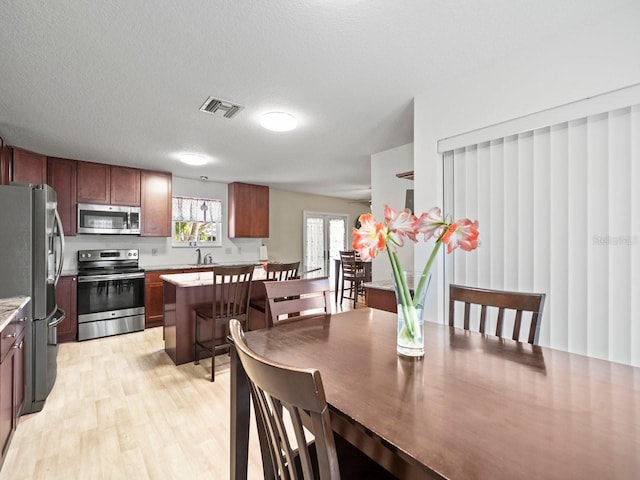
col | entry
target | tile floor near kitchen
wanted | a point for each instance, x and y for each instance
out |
(120, 408)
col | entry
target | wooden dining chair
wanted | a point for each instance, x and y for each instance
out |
(290, 299)
(275, 272)
(282, 271)
(231, 286)
(352, 272)
(502, 300)
(289, 400)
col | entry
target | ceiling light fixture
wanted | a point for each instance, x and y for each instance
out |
(192, 159)
(278, 121)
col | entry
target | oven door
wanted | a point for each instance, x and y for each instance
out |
(109, 296)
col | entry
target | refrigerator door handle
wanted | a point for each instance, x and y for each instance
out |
(57, 317)
(61, 237)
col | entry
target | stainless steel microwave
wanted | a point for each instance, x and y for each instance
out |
(108, 219)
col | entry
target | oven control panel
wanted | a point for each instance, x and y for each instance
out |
(114, 255)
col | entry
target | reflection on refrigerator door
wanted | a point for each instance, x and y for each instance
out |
(32, 257)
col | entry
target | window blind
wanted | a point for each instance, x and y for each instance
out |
(559, 212)
(189, 209)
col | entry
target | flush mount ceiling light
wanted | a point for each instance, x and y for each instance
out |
(192, 159)
(278, 121)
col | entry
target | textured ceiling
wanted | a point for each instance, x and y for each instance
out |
(121, 81)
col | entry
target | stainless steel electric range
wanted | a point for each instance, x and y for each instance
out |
(110, 293)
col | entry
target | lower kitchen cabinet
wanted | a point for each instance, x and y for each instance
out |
(153, 301)
(67, 300)
(153, 306)
(12, 383)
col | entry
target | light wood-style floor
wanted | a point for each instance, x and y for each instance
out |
(120, 409)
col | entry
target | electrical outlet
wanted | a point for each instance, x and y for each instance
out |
(154, 252)
(239, 250)
(227, 251)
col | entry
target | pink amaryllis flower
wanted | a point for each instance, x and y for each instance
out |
(373, 237)
(430, 224)
(463, 233)
(370, 238)
(399, 224)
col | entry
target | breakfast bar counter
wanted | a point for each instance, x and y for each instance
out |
(182, 293)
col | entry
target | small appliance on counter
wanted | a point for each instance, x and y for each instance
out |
(110, 293)
(31, 260)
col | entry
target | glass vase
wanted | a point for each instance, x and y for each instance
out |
(411, 292)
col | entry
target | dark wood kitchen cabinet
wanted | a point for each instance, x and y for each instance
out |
(155, 202)
(153, 304)
(94, 183)
(67, 300)
(6, 155)
(12, 384)
(108, 184)
(248, 210)
(125, 186)
(29, 167)
(62, 177)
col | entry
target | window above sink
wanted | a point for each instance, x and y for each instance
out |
(196, 222)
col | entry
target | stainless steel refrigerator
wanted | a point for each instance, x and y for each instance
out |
(31, 259)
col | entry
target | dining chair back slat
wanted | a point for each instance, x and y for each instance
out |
(275, 388)
(282, 271)
(502, 300)
(230, 299)
(293, 297)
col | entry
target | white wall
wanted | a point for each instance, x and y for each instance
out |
(387, 189)
(590, 60)
(285, 220)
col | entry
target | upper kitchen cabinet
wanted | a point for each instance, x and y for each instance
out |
(155, 203)
(94, 183)
(5, 165)
(125, 186)
(248, 210)
(62, 177)
(29, 167)
(108, 184)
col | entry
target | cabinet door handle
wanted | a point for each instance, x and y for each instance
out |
(19, 346)
(10, 335)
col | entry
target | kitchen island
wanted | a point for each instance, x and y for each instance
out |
(182, 294)
(381, 295)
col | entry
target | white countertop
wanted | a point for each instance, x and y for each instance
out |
(199, 279)
(380, 285)
(9, 308)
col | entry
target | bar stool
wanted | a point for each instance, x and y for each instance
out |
(231, 286)
(352, 273)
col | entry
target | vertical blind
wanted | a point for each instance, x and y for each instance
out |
(559, 212)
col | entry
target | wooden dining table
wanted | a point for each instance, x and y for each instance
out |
(475, 407)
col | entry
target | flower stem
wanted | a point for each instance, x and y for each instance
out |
(404, 295)
(422, 283)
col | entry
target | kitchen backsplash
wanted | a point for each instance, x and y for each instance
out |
(158, 251)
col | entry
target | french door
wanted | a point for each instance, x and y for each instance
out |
(325, 234)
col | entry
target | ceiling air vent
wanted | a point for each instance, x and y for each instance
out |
(217, 106)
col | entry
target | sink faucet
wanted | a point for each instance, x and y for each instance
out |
(208, 259)
(199, 257)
